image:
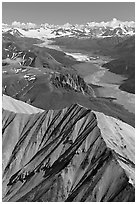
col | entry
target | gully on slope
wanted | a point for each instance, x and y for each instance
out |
(65, 155)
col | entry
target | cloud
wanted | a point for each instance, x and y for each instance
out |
(23, 25)
(31, 25)
(4, 25)
(113, 23)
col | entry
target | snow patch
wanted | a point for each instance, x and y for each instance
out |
(17, 106)
(79, 57)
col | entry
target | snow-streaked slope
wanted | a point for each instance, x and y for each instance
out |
(69, 155)
(17, 106)
(119, 137)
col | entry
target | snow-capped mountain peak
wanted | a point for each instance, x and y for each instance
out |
(91, 29)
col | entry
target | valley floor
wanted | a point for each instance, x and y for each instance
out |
(107, 81)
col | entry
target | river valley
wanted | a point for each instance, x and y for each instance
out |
(106, 83)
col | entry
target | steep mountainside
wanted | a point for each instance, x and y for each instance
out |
(22, 42)
(101, 46)
(71, 154)
(124, 63)
(14, 51)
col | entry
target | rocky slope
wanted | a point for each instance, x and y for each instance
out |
(13, 52)
(43, 87)
(72, 154)
(25, 51)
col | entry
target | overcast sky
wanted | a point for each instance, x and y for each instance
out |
(63, 12)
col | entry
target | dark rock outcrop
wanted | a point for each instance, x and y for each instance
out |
(71, 82)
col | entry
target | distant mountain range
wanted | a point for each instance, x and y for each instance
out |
(92, 29)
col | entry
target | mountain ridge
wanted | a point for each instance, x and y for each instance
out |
(78, 154)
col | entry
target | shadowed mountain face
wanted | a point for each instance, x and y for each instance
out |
(34, 57)
(66, 155)
(101, 46)
(124, 63)
(22, 42)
